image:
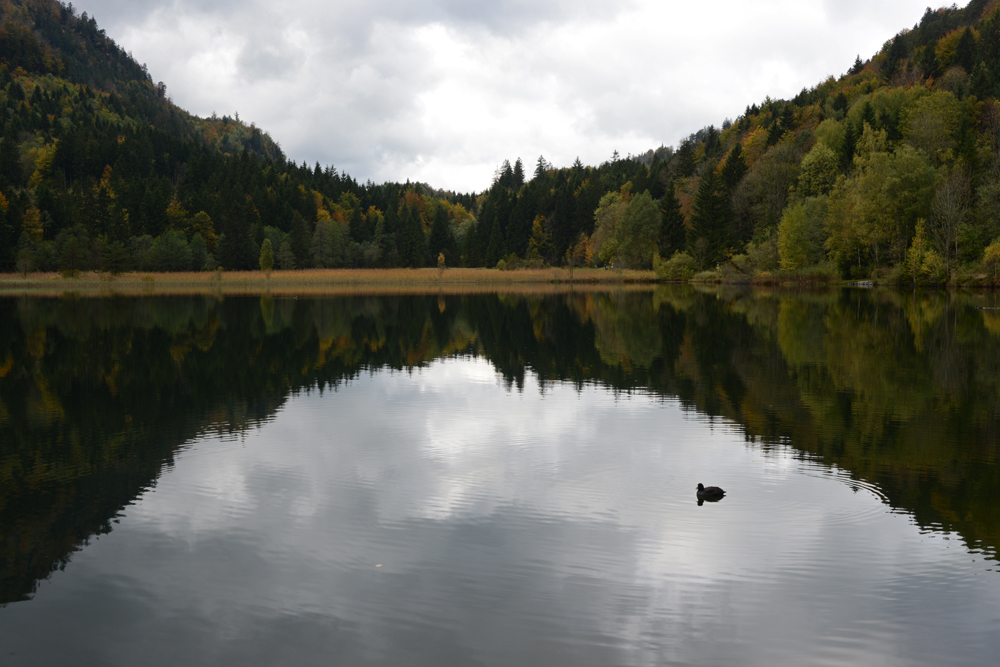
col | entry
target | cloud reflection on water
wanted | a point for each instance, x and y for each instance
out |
(512, 528)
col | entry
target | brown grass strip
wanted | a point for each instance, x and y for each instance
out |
(331, 282)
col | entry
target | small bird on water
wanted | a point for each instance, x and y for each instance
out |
(709, 493)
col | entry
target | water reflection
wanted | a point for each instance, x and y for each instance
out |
(548, 509)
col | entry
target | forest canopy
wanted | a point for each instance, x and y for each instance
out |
(891, 170)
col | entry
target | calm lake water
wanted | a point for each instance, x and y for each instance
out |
(501, 479)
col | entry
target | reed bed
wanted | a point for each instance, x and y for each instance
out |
(326, 282)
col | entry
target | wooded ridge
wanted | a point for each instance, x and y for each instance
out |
(891, 171)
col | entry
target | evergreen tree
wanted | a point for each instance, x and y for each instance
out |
(982, 84)
(300, 241)
(199, 252)
(894, 58)
(735, 168)
(286, 258)
(965, 51)
(685, 158)
(411, 246)
(709, 220)
(542, 167)
(116, 258)
(928, 62)
(840, 102)
(849, 145)
(518, 175)
(441, 240)
(359, 231)
(673, 233)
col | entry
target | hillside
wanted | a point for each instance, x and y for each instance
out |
(891, 171)
(100, 170)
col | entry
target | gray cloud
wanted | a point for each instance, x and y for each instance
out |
(443, 91)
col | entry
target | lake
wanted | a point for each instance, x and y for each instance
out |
(501, 479)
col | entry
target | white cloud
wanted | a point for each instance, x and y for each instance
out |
(443, 91)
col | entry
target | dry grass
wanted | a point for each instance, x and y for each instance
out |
(325, 282)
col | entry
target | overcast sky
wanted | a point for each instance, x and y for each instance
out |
(442, 91)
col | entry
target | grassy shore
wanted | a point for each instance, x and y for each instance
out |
(324, 281)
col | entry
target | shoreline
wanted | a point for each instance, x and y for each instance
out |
(325, 282)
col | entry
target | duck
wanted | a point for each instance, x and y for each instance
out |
(709, 492)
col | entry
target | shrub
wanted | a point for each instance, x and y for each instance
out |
(679, 267)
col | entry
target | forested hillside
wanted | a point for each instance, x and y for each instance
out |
(99, 170)
(890, 171)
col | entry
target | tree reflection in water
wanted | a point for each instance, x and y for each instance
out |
(96, 395)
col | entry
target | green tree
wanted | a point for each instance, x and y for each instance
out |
(965, 51)
(637, 233)
(322, 249)
(709, 220)
(607, 217)
(116, 258)
(170, 252)
(928, 62)
(441, 240)
(950, 208)
(266, 260)
(818, 171)
(412, 243)
(801, 235)
(735, 167)
(673, 233)
(286, 258)
(199, 252)
(872, 215)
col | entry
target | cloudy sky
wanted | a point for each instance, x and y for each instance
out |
(442, 91)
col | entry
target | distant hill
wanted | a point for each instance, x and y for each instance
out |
(46, 41)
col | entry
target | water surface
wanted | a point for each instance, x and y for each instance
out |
(500, 480)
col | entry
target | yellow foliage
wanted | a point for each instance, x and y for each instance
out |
(754, 145)
(3, 203)
(176, 214)
(42, 157)
(948, 44)
(32, 223)
(201, 223)
(538, 244)
(991, 320)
